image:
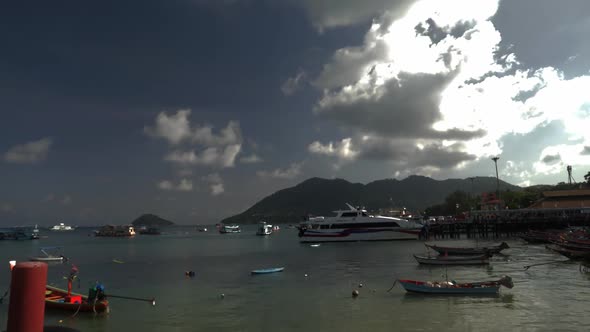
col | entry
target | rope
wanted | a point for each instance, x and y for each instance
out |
(526, 267)
(395, 282)
(75, 313)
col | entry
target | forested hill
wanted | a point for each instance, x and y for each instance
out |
(318, 196)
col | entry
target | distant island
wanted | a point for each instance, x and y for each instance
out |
(151, 220)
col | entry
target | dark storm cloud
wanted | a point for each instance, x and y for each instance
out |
(406, 108)
(551, 159)
(437, 33)
(585, 151)
(406, 153)
(547, 33)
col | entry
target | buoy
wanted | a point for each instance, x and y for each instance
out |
(189, 273)
(355, 293)
(361, 285)
(222, 295)
(306, 275)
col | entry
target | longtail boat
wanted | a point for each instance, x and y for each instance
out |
(468, 250)
(56, 298)
(452, 287)
(453, 260)
(533, 236)
(569, 253)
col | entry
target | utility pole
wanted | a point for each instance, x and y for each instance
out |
(495, 159)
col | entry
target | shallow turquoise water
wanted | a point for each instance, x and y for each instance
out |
(545, 298)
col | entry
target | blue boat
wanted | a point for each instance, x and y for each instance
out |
(452, 287)
(270, 270)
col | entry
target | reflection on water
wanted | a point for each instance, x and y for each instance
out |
(314, 291)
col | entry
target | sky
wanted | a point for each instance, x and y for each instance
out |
(196, 109)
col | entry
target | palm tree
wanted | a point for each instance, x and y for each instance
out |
(587, 177)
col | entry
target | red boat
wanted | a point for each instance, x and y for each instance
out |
(58, 299)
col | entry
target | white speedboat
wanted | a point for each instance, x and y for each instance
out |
(229, 229)
(264, 229)
(62, 227)
(49, 254)
(356, 224)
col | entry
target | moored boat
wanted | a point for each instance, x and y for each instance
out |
(58, 299)
(357, 224)
(453, 260)
(49, 254)
(115, 231)
(264, 229)
(267, 271)
(489, 250)
(452, 287)
(62, 227)
(149, 231)
(224, 229)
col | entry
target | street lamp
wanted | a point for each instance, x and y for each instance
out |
(495, 159)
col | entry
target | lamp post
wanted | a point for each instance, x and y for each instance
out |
(495, 159)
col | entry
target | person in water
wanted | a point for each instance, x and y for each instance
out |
(73, 275)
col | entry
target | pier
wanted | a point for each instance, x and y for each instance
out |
(509, 223)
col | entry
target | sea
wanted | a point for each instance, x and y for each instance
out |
(313, 293)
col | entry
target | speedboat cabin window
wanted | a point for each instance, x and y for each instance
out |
(349, 214)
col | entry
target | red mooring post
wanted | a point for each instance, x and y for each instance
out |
(26, 310)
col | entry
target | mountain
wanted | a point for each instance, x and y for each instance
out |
(318, 196)
(151, 220)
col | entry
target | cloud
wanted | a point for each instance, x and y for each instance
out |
(214, 156)
(29, 153)
(217, 189)
(230, 135)
(174, 128)
(6, 207)
(328, 14)
(293, 171)
(183, 185)
(292, 84)
(550, 159)
(434, 89)
(215, 183)
(585, 151)
(251, 159)
(67, 200)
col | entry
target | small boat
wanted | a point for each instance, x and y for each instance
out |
(204, 229)
(49, 254)
(58, 299)
(224, 229)
(534, 237)
(267, 271)
(115, 231)
(569, 253)
(468, 250)
(61, 227)
(35, 233)
(453, 260)
(452, 287)
(264, 229)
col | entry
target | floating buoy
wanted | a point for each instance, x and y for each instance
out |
(305, 275)
(361, 285)
(222, 295)
(355, 293)
(189, 273)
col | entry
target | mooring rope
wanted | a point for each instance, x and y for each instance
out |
(395, 282)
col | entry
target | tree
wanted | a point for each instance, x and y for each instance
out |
(587, 177)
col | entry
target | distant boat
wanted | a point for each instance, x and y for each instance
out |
(490, 250)
(61, 227)
(224, 229)
(49, 254)
(452, 287)
(35, 233)
(266, 271)
(204, 229)
(453, 260)
(115, 231)
(264, 229)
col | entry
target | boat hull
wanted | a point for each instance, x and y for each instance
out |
(467, 251)
(423, 288)
(52, 302)
(357, 234)
(453, 260)
(267, 271)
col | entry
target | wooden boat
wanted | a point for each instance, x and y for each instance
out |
(533, 236)
(468, 250)
(452, 287)
(453, 260)
(48, 256)
(569, 253)
(266, 271)
(57, 299)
